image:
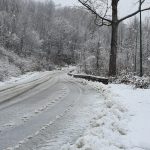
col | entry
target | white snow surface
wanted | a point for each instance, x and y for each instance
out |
(30, 76)
(121, 121)
(138, 103)
(26, 78)
(20, 79)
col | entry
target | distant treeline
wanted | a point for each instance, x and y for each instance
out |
(52, 35)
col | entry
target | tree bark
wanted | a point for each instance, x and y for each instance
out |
(114, 40)
(97, 57)
(135, 55)
(141, 47)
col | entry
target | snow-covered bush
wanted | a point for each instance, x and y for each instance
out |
(130, 78)
(143, 82)
(7, 69)
(126, 77)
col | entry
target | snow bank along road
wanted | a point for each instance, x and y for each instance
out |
(43, 113)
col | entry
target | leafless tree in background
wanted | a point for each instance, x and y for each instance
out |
(100, 8)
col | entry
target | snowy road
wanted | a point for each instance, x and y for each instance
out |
(47, 116)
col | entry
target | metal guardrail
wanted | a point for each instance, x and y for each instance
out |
(89, 77)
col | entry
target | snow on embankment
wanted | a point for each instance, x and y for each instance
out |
(19, 85)
(13, 65)
(108, 129)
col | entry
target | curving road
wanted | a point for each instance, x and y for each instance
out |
(47, 116)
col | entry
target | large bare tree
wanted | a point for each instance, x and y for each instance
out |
(106, 13)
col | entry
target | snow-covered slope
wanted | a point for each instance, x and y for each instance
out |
(19, 85)
(13, 65)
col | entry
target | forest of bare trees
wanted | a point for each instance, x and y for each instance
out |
(42, 36)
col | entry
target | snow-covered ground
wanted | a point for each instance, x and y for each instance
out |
(116, 119)
(19, 85)
(138, 103)
(30, 76)
(19, 79)
(121, 121)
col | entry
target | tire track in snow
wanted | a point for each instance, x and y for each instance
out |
(40, 133)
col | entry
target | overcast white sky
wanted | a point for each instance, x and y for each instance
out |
(125, 6)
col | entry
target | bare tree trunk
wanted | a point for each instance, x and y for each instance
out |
(97, 57)
(114, 39)
(135, 55)
(84, 59)
(141, 47)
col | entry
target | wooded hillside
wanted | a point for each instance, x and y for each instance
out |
(45, 35)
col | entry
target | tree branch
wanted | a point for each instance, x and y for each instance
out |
(134, 13)
(102, 23)
(94, 12)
